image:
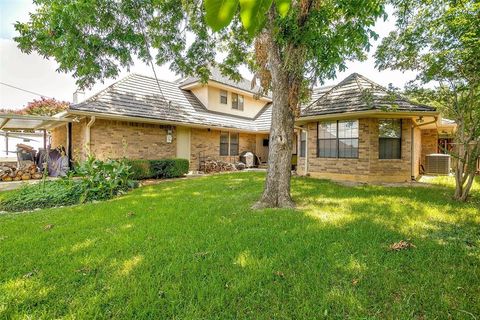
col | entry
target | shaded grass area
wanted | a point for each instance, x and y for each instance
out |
(191, 249)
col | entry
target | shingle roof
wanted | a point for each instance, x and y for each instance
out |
(217, 76)
(357, 93)
(139, 96)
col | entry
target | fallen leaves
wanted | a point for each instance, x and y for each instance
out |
(401, 245)
(48, 227)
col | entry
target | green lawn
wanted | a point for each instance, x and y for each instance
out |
(193, 249)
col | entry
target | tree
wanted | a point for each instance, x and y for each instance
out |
(288, 45)
(42, 107)
(441, 40)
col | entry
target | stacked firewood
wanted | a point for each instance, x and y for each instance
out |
(218, 166)
(11, 173)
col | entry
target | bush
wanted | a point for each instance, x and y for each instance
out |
(50, 194)
(102, 180)
(140, 169)
(169, 168)
(158, 169)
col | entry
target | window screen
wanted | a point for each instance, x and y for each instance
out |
(390, 139)
(224, 143)
(223, 96)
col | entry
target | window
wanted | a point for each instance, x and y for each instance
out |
(303, 143)
(338, 139)
(234, 144)
(237, 101)
(229, 144)
(223, 96)
(390, 139)
(224, 143)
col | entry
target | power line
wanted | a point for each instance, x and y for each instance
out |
(14, 87)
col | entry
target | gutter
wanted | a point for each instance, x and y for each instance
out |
(370, 113)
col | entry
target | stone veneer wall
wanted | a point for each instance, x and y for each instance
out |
(207, 142)
(367, 167)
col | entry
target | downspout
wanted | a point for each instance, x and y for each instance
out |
(412, 156)
(87, 134)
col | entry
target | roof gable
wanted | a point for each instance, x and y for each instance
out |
(358, 93)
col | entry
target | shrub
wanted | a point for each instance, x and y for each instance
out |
(169, 168)
(140, 169)
(102, 180)
(158, 169)
(51, 194)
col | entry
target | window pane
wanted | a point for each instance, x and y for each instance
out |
(348, 129)
(348, 148)
(224, 144)
(223, 97)
(240, 102)
(234, 101)
(389, 148)
(390, 128)
(234, 144)
(327, 148)
(327, 130)
(303, 143)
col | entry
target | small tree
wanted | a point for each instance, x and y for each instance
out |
(289, 45)
(42, 107)
(441, 40)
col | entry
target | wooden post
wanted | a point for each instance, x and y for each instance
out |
(45, 139)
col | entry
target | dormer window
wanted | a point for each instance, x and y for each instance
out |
(223, 96)
(237, 101)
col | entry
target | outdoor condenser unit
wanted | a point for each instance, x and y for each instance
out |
(437, 163)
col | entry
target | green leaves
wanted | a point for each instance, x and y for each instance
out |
(219, 13)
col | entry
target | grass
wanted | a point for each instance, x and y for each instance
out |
(193, 249)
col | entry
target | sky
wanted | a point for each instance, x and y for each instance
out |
(37, 74)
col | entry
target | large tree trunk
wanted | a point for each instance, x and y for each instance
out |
(276, 193)
(277, 185)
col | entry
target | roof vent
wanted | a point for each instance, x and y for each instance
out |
(78, 96)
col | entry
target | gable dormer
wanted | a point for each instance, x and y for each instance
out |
(221, 94)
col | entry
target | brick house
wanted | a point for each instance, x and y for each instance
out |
(360, 131)
(349, 131)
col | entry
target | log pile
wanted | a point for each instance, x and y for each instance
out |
(218, 166)
(11, 173)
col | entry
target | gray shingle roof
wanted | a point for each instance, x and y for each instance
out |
(217, 76)
(357, 93)
(139, 96)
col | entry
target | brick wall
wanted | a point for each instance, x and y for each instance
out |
(207, 143)
(59, 138)
(133, 140)
(367, 167)
(429, 143)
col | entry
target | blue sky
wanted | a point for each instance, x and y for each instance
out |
(37, 74)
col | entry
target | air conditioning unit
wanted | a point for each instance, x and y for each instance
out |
(437, 163)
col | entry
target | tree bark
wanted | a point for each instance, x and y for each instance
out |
(276, 193)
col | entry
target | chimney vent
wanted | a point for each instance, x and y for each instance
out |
(78, 96)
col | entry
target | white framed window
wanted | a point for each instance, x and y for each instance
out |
(237, 101)
(223, 97)
(338, 139)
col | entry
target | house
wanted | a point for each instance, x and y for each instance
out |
(352, 131)
(360, 131)
(140, 118)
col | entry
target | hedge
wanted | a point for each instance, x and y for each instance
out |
(158, 169)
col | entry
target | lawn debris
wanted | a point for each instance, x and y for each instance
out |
(201, 255)
(279, 274)
(130, 214)
(401, 245)
(30, 274)
(355, 282)
(161, 294)
(48, 227)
